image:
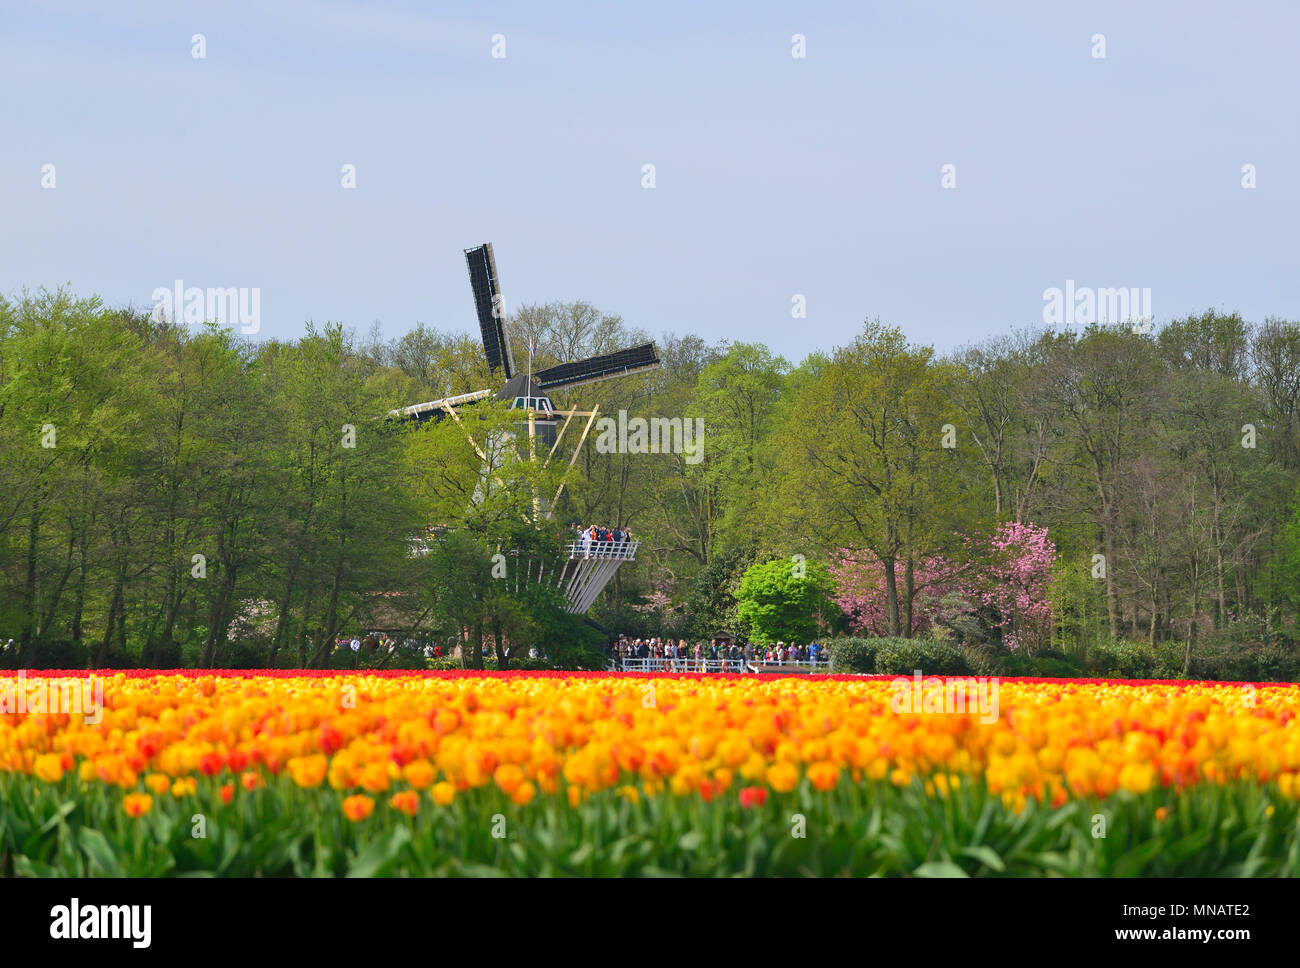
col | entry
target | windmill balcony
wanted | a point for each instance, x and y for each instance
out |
(607, 550)
(590, 567)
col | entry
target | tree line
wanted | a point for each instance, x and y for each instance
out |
(178, 495)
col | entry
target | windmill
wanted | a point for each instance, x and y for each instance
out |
(588, 569)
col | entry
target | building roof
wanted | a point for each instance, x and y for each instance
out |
(520, 385)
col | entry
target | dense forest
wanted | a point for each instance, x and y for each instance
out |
(177, 495)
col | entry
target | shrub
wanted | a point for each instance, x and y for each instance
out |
(985, 660)
(404, 659)
(1169, 660)
(1043, 667)
(852, 654)
(166, 655)
(443, 663)
(1122, 659)
(902, 657)
(1266, 662)
(1275, 663)
(61, 654)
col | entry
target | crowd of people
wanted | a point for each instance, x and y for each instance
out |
(679, 653)
(595, 536)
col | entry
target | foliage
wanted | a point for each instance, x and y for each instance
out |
(871, 829)
(711, 606)
(851, 654)
(1104, 446)
(1001, 587)
(1122, 659)
(903, 657)
(861, 594)
(1015, 583)
(784, 600)
(1045, 663)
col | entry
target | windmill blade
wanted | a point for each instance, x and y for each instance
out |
(490, 308)
(423, 411)
(635, 359)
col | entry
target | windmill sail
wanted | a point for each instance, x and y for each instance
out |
(490, 309)
(632, 360)
(436, 408)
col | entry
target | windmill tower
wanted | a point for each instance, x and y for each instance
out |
(587, 569)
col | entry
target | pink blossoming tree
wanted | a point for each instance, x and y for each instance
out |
(1006, 577)
(1016, 583)
(860, 578)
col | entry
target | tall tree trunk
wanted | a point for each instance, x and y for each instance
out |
(1192, 625)
(110, 626)
(503, 657)
(1221, 604)
(52, 606)
(1112, 610)
(282, 621)
(79, 596)
(328, 633)
(891, 595)
(909, 590)
(219, 615)
(476, 646)
(175, 597)
(27, 634)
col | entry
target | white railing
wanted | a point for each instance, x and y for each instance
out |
(797, 663)
(605, 550)
(660, 664)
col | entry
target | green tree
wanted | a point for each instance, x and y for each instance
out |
(861, 461)
(785, 600)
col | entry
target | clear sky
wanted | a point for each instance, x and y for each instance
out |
(774, 175)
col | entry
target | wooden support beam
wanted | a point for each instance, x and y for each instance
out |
(574, 459)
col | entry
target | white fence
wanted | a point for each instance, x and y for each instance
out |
(656, 664)
(819, 665)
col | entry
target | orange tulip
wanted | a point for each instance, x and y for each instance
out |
(523, 794)
(358, 807)
(783, 777)
(443, 794)
(419, 774)
(158, 783)
(407, 802)
(49, 768)
(824, 775)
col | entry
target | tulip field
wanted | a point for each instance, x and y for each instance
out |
(594, 774)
